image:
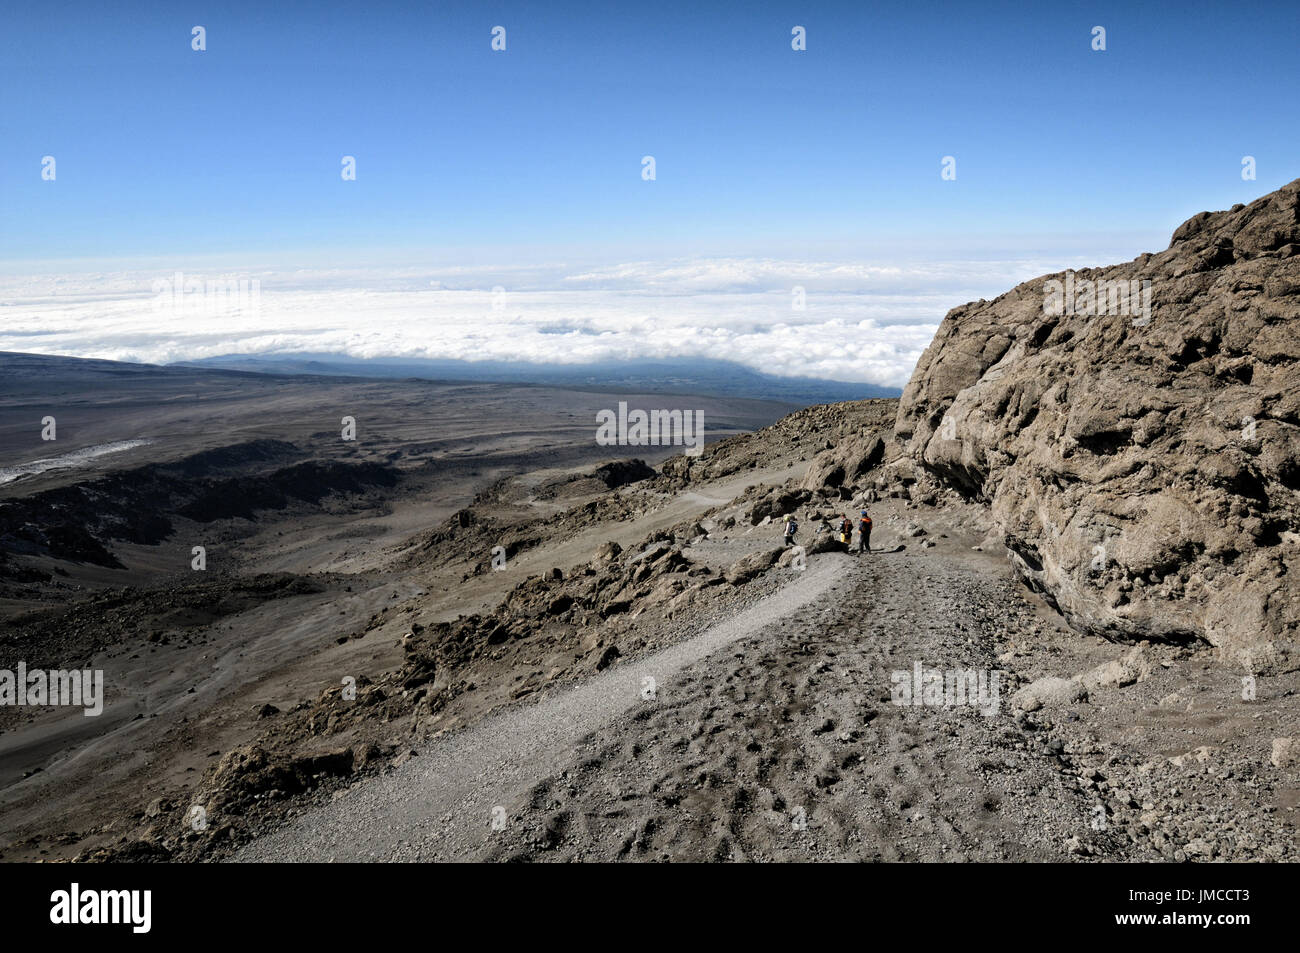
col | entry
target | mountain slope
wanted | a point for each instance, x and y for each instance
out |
(1141, 462)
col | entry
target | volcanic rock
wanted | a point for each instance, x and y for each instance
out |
(1141, 463)
(747, 567)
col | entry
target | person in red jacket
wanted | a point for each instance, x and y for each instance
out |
(864, 533)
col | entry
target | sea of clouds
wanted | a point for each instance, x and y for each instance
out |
(861, 322)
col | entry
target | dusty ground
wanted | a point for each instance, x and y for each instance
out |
(787, 746)
(296, 594)
(503, 715)
(784, 742)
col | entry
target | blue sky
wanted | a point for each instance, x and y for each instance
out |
(759, 149)
(521, 170)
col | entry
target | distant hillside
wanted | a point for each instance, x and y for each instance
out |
(692, 376)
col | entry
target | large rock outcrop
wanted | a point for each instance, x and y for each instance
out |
(853, 445)
(1139, 443)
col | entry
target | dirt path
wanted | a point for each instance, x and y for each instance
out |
(440, 806)
(772, 736)
(788, 746)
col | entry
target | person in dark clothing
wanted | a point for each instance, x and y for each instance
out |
(864, 533)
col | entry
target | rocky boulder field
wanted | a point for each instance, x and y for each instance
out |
(523, 732)
(1141, 464)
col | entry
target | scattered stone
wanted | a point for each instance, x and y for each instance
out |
(1051, 691)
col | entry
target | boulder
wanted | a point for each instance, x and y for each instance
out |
(1132, 667)
(1196, 756)
(608, 552)
(250, 770)
(1285, 753)
(622, 472)
(1049, 692)
(828, 542)
(845, 464)
(1139, 453)
(776, 504)
(607, 658)
(747, 567)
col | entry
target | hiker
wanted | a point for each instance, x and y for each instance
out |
(846, 532)
(864, 533)
(791, 527)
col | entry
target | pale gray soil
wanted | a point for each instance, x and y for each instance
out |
(438, 806)
(789, 747)
(774, 736)
(183, 690)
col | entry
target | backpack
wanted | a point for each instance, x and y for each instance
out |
(865, 523)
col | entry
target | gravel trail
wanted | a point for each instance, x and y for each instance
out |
(788, 745)
(442, 804)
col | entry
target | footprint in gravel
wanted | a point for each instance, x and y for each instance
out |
(541, 796)
(554, 829)
(793, 751)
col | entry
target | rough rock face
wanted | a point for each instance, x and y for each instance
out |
(1142, 462)
(844, 467)
(622, 472)
(853, 438)
(831, 433)
(747, 567)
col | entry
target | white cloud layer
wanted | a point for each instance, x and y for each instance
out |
(862, 322)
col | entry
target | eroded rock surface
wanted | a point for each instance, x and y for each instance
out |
(1142, 464)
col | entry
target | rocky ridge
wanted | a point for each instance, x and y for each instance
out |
(1142, 465)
